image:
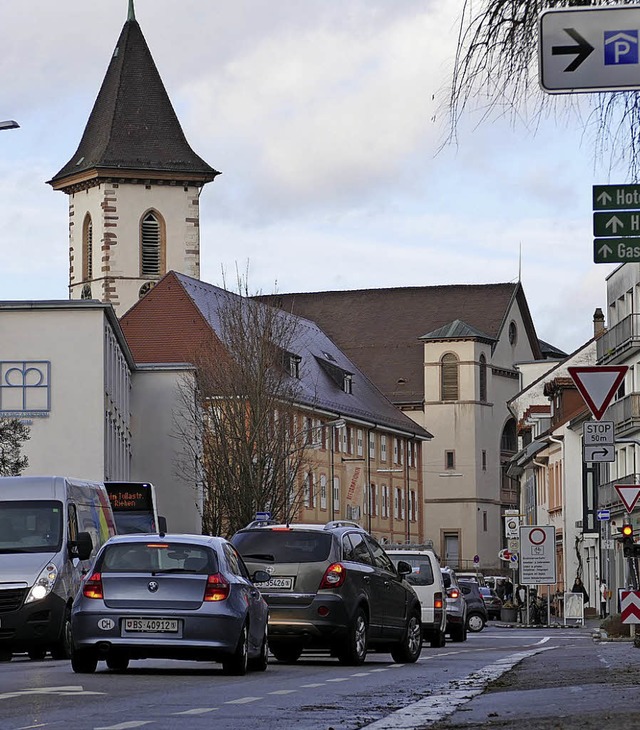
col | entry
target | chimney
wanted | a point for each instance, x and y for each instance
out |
(598, 322)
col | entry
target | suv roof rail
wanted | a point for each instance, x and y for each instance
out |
(261, 523)
(342, 523)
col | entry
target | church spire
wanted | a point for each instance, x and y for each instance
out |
(132, 12)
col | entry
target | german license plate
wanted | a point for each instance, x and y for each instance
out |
(151, 625)
(277, 583)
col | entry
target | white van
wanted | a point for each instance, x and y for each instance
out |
(426, 580)
(50, 528)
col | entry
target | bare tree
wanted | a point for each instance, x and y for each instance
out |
(496, 65)
(245, 439)
(13, 434)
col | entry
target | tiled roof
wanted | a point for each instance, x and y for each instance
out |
(380, 329)
(165, 325)
(133, 126)
(457, 330)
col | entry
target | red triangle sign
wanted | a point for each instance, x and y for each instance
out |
(629, 494)
(598, 385)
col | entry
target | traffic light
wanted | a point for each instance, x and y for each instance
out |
(629, 548)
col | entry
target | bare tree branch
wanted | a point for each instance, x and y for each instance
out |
(13, 435)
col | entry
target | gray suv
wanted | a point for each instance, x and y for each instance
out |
(332, 587)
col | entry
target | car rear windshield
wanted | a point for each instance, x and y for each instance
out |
(422, 573)
(157, 557)
(283, 546)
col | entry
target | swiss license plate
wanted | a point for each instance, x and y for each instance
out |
(277, 583)
(151, 625)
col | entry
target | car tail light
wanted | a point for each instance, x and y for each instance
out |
(93, 587)
(334, 576)
(453, 593)
(217, 588)
(437, 600)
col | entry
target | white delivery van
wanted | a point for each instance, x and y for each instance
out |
(50, 529)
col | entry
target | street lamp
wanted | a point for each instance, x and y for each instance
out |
(337, 423)
(9, 124)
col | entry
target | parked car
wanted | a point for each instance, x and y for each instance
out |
(333, 587)
(456, 606)
(492, 601)
(426, 579)
(170, 597)
(473, 575)
(477, 615)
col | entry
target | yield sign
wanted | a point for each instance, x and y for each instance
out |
(630, 607)
(598, 385)
(629, 494)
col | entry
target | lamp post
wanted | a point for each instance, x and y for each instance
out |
(337, 423)
(9, 124)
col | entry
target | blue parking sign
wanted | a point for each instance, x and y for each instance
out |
(620, 47)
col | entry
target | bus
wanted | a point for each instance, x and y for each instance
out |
(134, 507)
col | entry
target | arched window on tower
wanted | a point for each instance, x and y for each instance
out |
(151, 245)
(449, 377)
(87, 249)
(483, 379)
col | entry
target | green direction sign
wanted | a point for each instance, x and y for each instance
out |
(616, 250)
(616, 197)
(616, 223)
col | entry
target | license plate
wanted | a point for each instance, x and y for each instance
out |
(151, 625)
(277, 583)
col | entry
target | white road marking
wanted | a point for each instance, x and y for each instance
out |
(384, 669)
(66, 691)
(339, 679)
(196, 711)
(125, 725)
(542, 641)
(435, 707)
(243, 701)
(283, 692)
(314, 684)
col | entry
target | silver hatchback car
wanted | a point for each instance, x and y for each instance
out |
(185, 597)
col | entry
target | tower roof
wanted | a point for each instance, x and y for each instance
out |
(133, 129)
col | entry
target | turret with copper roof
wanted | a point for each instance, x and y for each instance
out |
(133, 184)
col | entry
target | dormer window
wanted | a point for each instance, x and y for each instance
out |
(347, 383)
(294, 366)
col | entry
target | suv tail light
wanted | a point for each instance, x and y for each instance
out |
(453, 593)
(217, 588)
(334, 576)
(437, 600)
(93, 587)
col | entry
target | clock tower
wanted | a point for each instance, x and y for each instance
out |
(134, 184)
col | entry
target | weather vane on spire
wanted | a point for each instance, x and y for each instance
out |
(132, 12)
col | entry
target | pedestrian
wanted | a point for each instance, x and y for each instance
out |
(578, 587)
(604, 595)
(508, 590)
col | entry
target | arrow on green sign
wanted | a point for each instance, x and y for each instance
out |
(616, 250)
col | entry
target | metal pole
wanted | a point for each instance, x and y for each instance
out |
(333, 476)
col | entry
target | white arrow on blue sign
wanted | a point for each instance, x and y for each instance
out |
(603, 514)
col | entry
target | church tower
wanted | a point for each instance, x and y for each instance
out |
(134, 185)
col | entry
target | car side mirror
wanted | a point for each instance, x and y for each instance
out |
(404, 568)
(260, 576)
(82, 547)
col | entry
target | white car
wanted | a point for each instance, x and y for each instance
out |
(426, 580)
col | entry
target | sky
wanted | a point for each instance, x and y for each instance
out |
(328, 121)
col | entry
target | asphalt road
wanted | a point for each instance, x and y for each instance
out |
(499, 678)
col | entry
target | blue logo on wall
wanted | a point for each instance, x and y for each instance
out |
(620, 47)
(25, 388)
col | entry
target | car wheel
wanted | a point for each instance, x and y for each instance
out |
(354, 651)
(117, 663)
(459, 633)
(237, 663)
(62, 648)
(37, 654)
(408, 650)
(475, 622)
(287, 652)
(259, 664)
(84, 661)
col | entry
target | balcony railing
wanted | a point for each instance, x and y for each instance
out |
(625, 414)
(619, 339)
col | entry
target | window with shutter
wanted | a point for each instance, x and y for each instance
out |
(151, 245)
(87, 249)
(449, 377)
(483, 379)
